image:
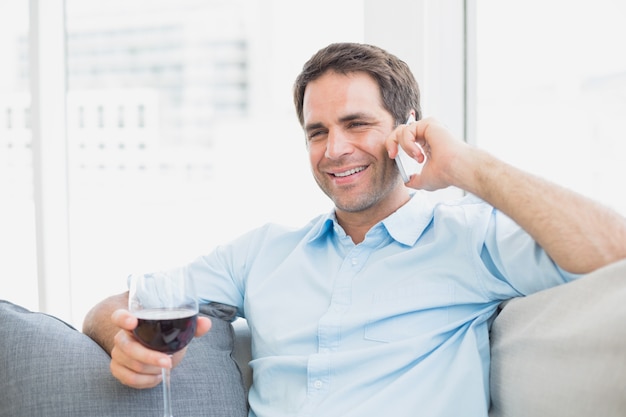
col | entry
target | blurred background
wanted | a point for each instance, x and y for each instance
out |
(137, 135)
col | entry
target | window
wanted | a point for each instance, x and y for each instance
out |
(180, 133)
(551, 91)
(181, 130)
(18, 265)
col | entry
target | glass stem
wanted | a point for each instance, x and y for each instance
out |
(167, 395)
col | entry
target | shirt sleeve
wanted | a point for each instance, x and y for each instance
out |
(219, 275)
(513, 256)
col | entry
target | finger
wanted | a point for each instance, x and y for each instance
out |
(415, 182)
(132, 372)
(391, 143)
(203, 326)
(417, 142)
(133, 379)
(124, 319)
(405, 136)
(132, 354)
(422, 153)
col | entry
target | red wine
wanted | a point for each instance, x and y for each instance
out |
(166, 330)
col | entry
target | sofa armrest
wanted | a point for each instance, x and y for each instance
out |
(49, 369)
(562, 351)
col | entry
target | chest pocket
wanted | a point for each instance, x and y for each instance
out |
(408, 311)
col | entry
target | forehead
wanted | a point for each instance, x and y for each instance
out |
(336, 94)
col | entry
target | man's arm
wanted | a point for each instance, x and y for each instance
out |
(98, 324)
(579, 234)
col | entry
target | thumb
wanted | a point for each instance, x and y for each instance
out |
(124, 319)
(203, 326)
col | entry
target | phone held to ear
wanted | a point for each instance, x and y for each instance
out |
(407, 165)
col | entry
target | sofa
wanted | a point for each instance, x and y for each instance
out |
(559, 352)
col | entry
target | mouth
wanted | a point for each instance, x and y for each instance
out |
(348, 172)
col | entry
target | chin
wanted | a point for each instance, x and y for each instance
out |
(355, 205)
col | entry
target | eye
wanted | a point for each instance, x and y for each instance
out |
(316, 135)
(357, 124)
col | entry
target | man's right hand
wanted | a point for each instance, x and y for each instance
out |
(111, 325)
(135, 365)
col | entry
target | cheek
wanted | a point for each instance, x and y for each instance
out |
(316, 154)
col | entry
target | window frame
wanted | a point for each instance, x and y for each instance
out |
(49, 147)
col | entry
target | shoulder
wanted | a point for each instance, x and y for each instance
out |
(276, 236)
(468, 208)
(470, 218)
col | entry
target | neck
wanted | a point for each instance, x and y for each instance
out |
(357, 224)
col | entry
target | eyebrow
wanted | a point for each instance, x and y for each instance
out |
(356, 116)
(344, 119)
(314, 126)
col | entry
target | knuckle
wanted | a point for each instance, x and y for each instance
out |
(134, 378)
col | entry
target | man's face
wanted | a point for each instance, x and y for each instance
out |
(346, 126)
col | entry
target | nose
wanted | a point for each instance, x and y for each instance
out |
(338, 144)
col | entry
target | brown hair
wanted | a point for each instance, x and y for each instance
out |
(398, 87)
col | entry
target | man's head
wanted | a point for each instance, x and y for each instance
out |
(349, 98)
(398, 88)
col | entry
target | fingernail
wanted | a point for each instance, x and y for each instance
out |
(165, 363)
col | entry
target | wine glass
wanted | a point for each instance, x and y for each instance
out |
(167, 310)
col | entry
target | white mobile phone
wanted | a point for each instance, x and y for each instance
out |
(407, 165)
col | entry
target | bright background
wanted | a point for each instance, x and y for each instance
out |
(175, 128)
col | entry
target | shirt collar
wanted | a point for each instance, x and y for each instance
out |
(408, 223)
(324, 224)
(405, 225)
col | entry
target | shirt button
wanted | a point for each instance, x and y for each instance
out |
(318, 384)
(355, 261)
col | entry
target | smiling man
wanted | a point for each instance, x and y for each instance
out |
(382, 306)
(346, 125)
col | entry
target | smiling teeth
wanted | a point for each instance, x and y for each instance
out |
(350, 172)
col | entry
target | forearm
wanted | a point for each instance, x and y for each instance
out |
(98, 325)
(578, 233)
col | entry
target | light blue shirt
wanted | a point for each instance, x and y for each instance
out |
(394, 326)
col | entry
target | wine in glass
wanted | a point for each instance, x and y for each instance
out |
(167, 310)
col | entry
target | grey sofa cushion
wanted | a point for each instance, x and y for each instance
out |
(562, 352)
(49, 369)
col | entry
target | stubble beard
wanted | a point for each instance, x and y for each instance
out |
(352, 202)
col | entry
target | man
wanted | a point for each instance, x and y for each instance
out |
(383, 306)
